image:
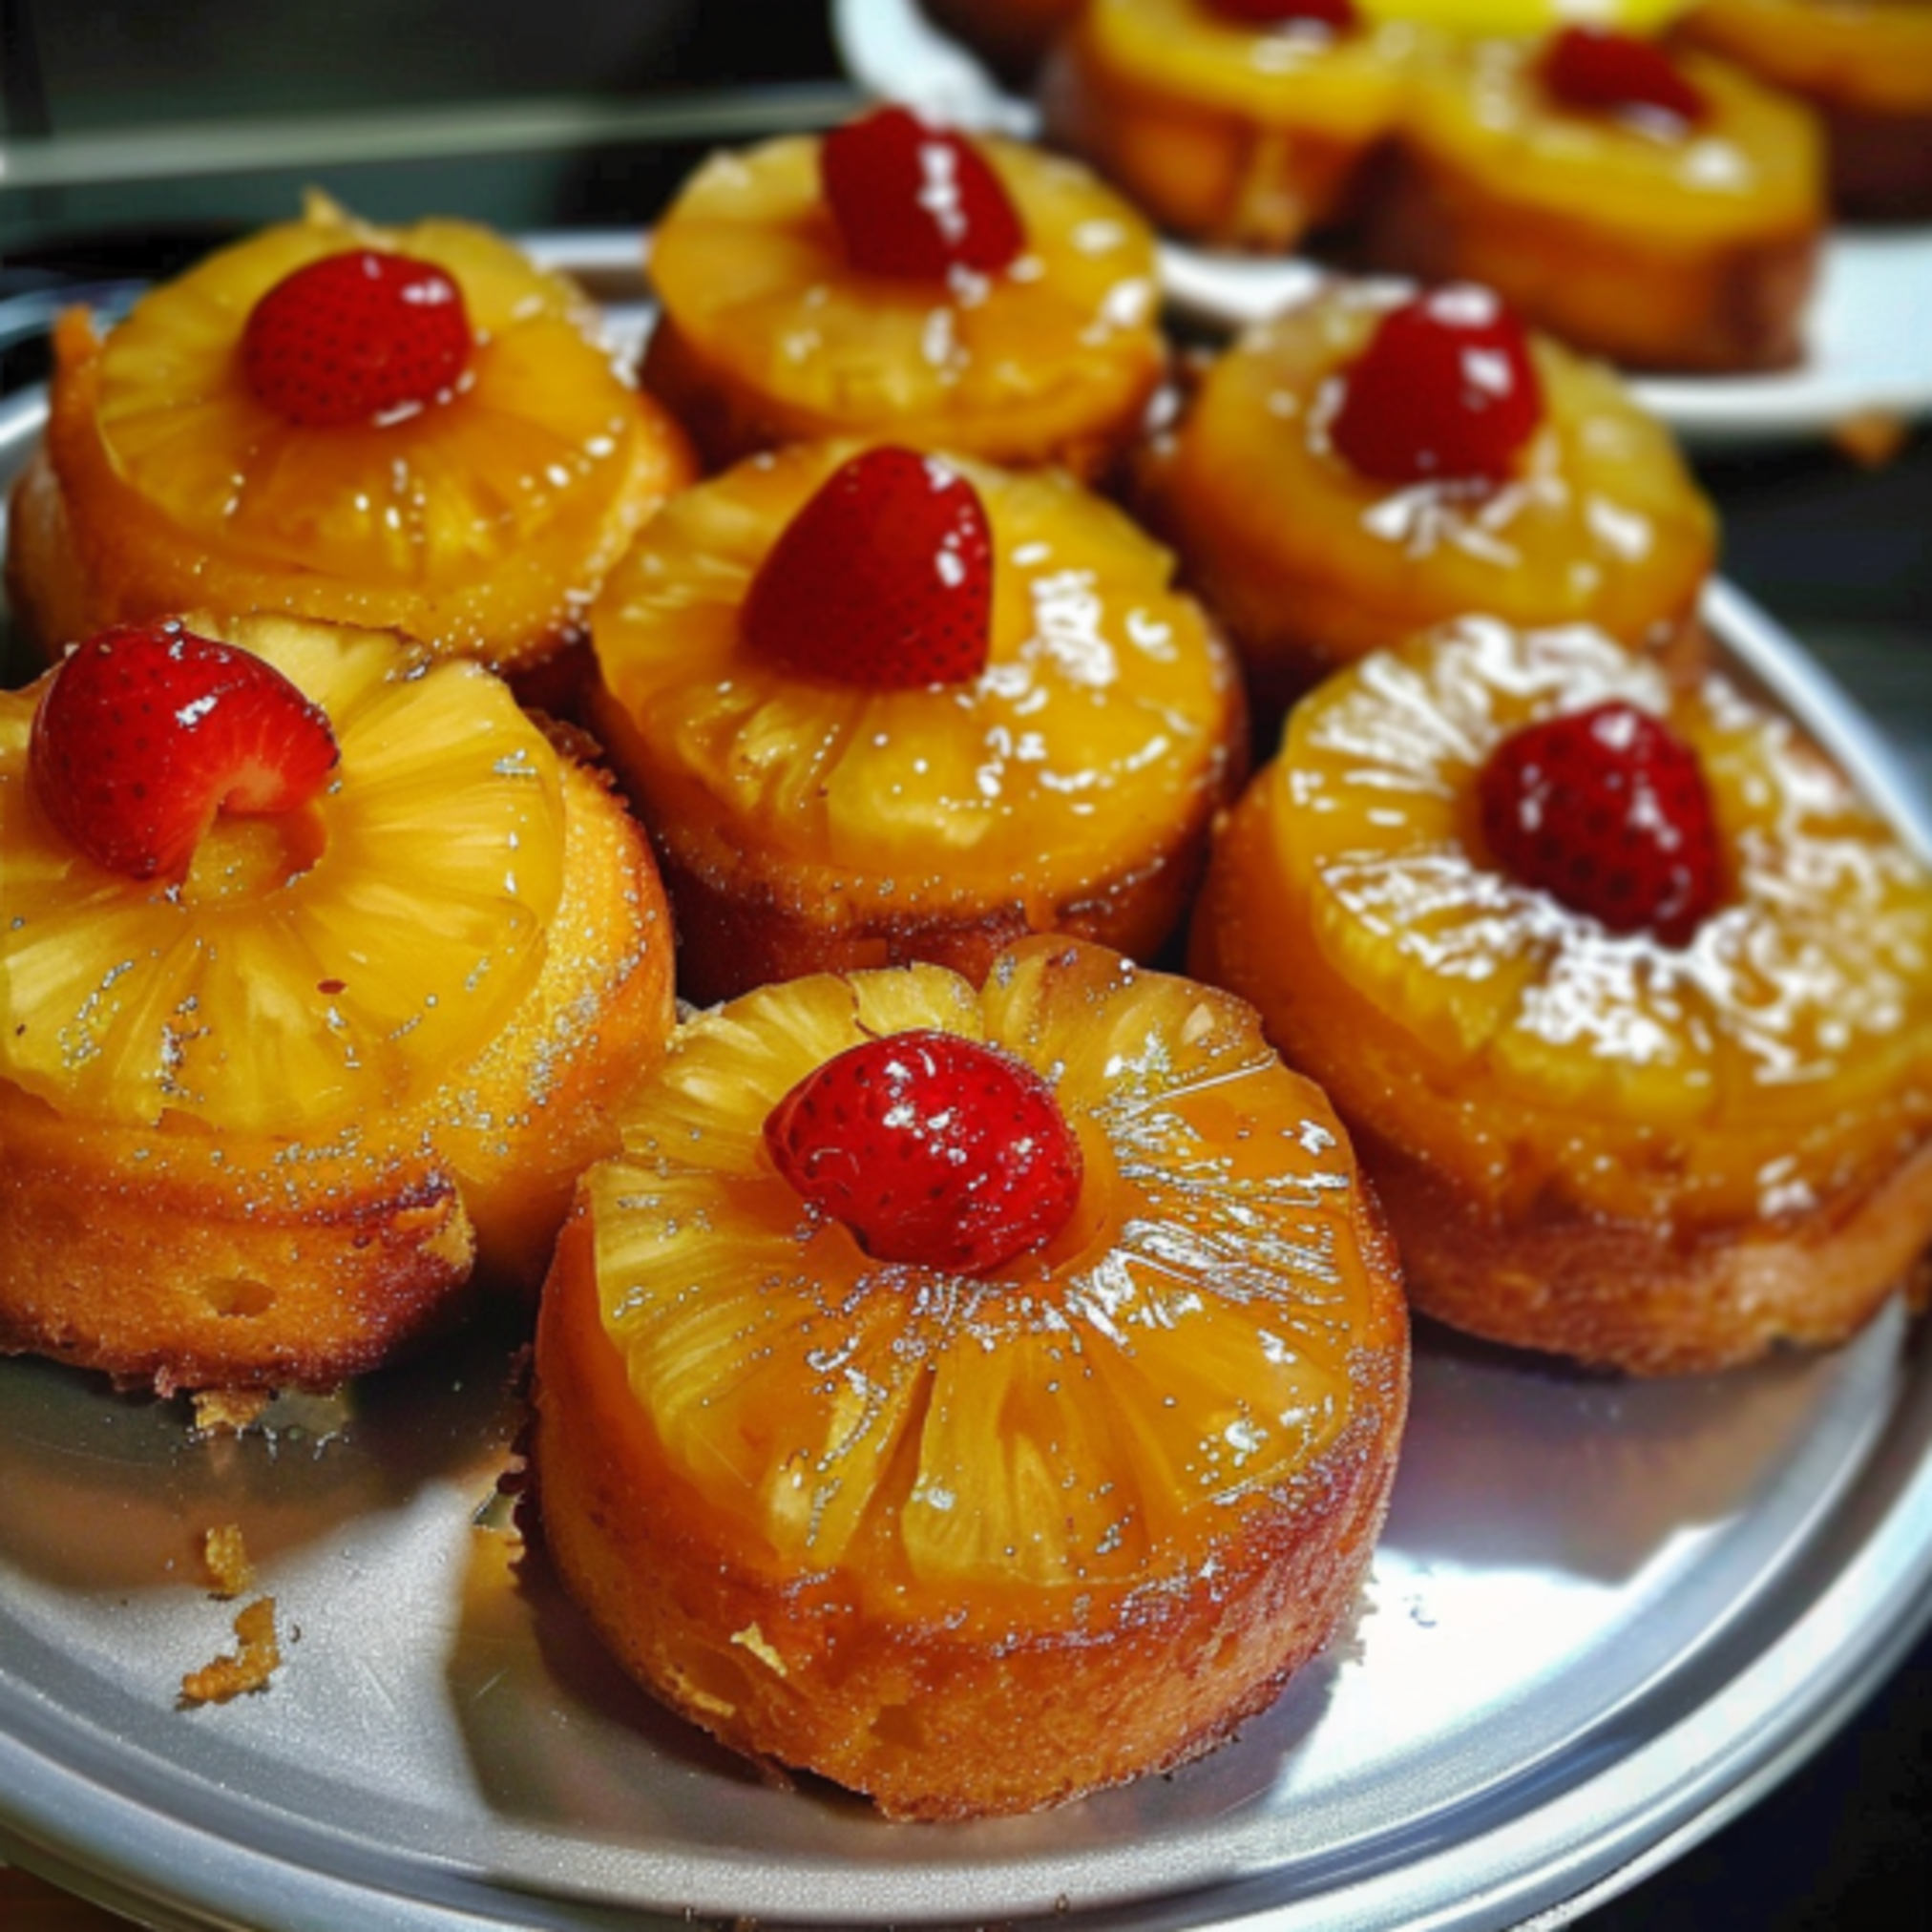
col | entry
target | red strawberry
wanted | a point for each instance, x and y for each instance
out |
(145, 731)
(1607, 811)
(1336, 15)
(357, 338)
(931, 1149)
(1602, 71)
(1445, 390)
(913, 199)
(884, 578)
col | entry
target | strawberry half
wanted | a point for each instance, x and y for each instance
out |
(884, 578)
(1606, 809)
(931, 1149)
(1604, 72)
(912, 199)
(146, 732)
(360, 338)
(1445, 390)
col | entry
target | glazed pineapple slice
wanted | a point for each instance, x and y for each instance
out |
(1524, 17)
(477, 514)
(1664, 1143)
(770, 333)
(1035, 738)
(1240, 126)
(934, 1531)
(325, 968)
(1864, 65)
(1328, 498)
(1674, 226)
(1783, 1035)
(347, 953)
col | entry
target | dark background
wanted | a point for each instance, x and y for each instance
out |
(539, 114)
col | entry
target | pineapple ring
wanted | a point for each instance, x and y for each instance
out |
(1806, 986)
(1074, 779)
(1602, 525)
(1866, 66)
(1692, 255)
(1103, 696)
(1344, 83)
(406, 925)
(1517, 1073)
(769, 1464)
(480, 526)
(1224, 132)
(1861, 55)
(769, 335)
(1752, 170)
(1528, 17)
(533, 439)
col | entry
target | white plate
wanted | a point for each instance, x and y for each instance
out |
(1604, 1616)
(1869, 332)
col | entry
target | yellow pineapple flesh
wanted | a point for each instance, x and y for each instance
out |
(1228, 133)
(482, 524)
(1600, 523)
(533, 445)
(1346, 84)
(1777, 1057)
(1102, 710)
(1092, 1416)
(1750, 168)
(1678, 246)
(1017, 365)
(338, 962)
(1875, 57)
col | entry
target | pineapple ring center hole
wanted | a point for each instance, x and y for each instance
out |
(249, 857)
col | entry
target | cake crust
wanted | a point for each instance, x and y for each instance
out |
(1589, 1143)
(931, 1722)
(179, 1254)
(975, 1545)
(1642, 1295)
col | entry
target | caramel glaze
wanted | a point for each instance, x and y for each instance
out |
(976, 1546)
(180, 1256)
(1310, 565)
(808, 824)
(1656, 1158)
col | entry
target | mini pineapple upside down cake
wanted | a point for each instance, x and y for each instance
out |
(322, 968)
(411, 430)
(1644, 203)
(1642, 200)
(1620, 986)
(1248, 124)
(896, 277)
(976, 1395)
(1864, 65)
(1373, 461)
(876, 704)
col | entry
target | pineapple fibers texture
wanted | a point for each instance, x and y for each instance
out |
(1191, 1340)
(334, 961)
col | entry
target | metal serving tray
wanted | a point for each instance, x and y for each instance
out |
(1603, 1617)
